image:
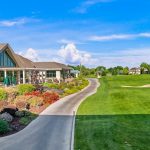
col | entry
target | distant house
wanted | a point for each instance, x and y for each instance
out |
(135, 70)
(75, 73)
(99, 74)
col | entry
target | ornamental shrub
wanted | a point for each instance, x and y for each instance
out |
(4, 127)
(3, 94)
(21, 101)
(33, 93)
(51, 85)
(71, 91)
(35, 101)
(25, 88)
(25, 120)
(50, 97)
(11, 93)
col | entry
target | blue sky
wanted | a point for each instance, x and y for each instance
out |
(91, 32)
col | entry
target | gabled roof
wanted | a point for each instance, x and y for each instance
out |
(23, 62)
(10, 51)
(51, 65)
(2, 46)
(133, 69)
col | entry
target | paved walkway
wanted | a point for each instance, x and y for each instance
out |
(52, 130)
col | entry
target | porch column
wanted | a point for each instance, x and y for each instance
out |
(18, 76)
(44, 76)
(13, 73)
(24, 78)
(5, 73)
(30, 78)
(58, 75)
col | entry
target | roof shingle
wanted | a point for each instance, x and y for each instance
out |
(2, 46)
(26, 63)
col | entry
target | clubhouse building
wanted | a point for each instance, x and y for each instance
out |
(20, 70)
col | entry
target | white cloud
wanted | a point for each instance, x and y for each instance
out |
(88, 3)
(65, 41)
(144, 34)
(119, 37)
(9, 23)
(71, 55)
(129, 57)
(15, 22)
(31, 54)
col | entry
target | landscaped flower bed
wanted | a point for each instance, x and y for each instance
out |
(20, 105)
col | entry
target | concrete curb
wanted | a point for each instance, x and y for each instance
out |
(46, 111)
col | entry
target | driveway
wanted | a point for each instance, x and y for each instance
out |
(53, 129)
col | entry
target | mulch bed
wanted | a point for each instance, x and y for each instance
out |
(18, 126)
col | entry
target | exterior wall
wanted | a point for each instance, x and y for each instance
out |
(135, 72)
(58, 75)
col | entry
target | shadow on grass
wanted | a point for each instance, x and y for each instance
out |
(112, 132)
(98, 132)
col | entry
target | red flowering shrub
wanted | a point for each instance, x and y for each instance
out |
(34, 93)
(49, 98)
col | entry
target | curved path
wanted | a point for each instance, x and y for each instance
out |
(52, 130)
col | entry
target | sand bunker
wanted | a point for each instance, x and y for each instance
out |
(143, 86)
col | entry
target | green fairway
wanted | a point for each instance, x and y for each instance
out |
(115, 118)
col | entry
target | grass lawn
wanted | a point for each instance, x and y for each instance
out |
(115, 118)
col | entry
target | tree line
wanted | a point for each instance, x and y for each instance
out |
(103, 71)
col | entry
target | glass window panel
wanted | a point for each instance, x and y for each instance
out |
(51, 74)
(6, 60)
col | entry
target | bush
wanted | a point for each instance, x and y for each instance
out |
(51, 85)
(27, 118)
(62, 85)
(49, 98)
(71, 91)
(21, 101)
(39, 98)
(4, 127)
(3, 94)
(11, 94)
(33, 93)
(24, 120)
(25, 88)
(35, 101)
(19, 114)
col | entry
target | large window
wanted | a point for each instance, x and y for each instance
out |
(6, 60)
(51, 74)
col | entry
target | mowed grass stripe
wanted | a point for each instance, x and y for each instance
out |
(115, 118)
